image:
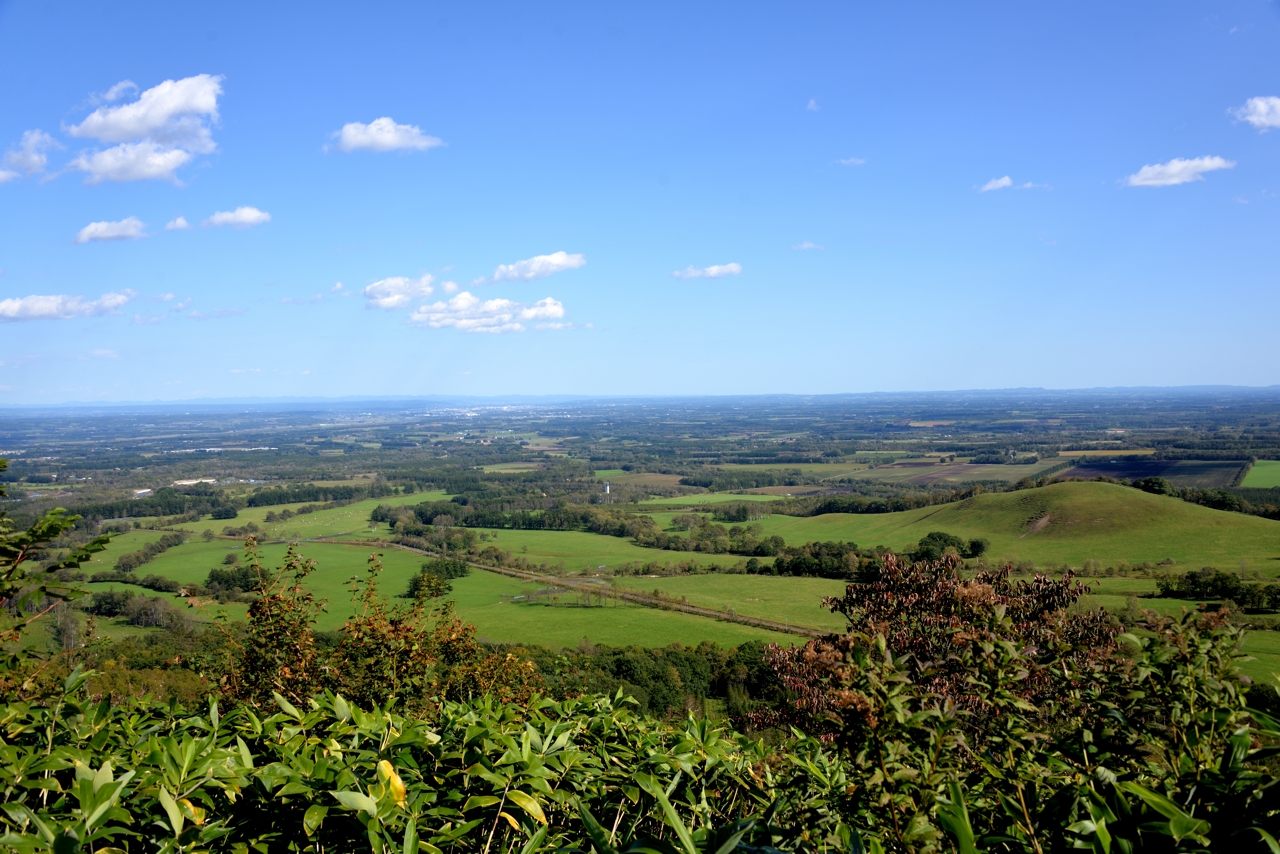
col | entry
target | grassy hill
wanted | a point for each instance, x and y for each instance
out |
(1066, 523)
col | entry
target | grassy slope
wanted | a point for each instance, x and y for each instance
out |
(1086, 520)
(1265, 474)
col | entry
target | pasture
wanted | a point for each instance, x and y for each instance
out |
(582, 552)
(793, 600)
(351, 521)
(1265, 474)
(956, 473)
(484, 599)
(1190, 473)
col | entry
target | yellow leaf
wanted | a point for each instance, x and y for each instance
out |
(515, 825)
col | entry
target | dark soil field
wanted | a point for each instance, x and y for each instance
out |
(1204, 475)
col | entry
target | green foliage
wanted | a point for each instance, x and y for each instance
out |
(329, 775)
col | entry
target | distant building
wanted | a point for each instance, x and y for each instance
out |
(141, 493)
(194, 482)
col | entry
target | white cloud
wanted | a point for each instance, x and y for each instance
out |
(104, 354)
(472, 314)
(159, 132)
(808, 245)
(116, 92)
(397, 292)
(148, 319)
(8, 175)
(536, 267)
(29, 156)
(851, 161)
(246, 370)
(384, 135)
(1177, 171)
(996, 184)
(715, 271)
(337, 286)
(1262, 113)
(812, 106)
(241, 217)
(133, 161)
(126, 229)
(175, 113)
(302, 300)
(450, 287)
(61, 306)
(177, 224)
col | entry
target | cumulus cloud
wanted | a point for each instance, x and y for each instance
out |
(384, 135)
(177, 224)
(812, 106)
(337, 286)
(1262, 113)
(536, 267)
(807, 245)
(996, 184)
(469, 313)
(8, 175)
(130, 228)
(133, 161)
(450, 287)
(164, 129)
(715, 271)
(397, 292)
(61, 306)
(851, 161)
(30, 155)
(1177, 171)
(242, 217)
(175, 112)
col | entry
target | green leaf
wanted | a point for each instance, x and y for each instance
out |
(357, 801)
(313, 817)
(287, 707)
(480, 801)
(954, 818)
(599, 838)
(651, 785)
(171, 809)
(528, 804)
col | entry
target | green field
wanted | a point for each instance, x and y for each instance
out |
(707, 498)
(351, 521)
(483, 599)
(794, 600)
(1265, 474)
(1073, 522)
(581, 552)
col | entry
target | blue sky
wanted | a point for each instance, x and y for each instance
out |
(635, 198)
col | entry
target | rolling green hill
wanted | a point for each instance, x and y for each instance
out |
(1065, 523)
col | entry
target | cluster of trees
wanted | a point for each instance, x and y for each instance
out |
(710, 538)
(132, 560)
(298, 493)
(889, 500)
(1210, 583)
(433, 579)
(137, 609)
(730, 480)
(167, 501)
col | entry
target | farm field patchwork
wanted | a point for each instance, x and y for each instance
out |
(932, 471)
(1189, 473)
